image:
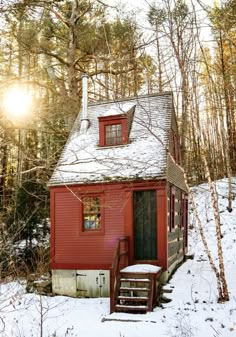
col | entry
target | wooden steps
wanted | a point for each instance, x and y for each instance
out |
(133, 298)
(133, 288)
(136, 292)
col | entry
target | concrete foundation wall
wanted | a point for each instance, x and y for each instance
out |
(81, 283)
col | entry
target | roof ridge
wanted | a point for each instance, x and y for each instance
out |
(133, 98)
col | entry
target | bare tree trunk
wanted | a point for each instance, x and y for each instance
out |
(160, 84)
(204, 241)
(3, 173)
(71, 57)
(223, 293)
(228, 140)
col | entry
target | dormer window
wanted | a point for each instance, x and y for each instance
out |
(113, 134)
(114, 127)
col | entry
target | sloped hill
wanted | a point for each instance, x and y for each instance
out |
(193, 311)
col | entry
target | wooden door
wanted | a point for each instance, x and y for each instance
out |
(145, 225)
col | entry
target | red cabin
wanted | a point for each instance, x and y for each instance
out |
(118, 198)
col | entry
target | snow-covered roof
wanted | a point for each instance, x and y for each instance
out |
(119, 108)
(144, 157)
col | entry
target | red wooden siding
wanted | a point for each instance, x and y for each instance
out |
(67, 228)
(162, 227)
(71, 248)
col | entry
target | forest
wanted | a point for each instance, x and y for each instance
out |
(186, 47)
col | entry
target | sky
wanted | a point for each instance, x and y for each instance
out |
(192, 312)
(144, 4)
(139, 10)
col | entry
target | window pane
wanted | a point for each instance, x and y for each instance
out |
(91, 213)
(113, 134)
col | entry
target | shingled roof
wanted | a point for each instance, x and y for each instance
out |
(144, 157)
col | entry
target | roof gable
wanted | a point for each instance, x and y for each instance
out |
(144, 157)
(118, 109)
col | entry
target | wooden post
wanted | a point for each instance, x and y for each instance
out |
(162, 230)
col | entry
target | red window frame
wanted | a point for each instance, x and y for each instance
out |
(184, 218)
(110, 121)
(92, 215)
(113, 134)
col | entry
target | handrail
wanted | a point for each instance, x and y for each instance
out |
(120, 260)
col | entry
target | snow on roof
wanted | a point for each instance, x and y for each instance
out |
(120, 108)
(144, 157)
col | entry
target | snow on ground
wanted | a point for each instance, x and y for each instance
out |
(193, 311)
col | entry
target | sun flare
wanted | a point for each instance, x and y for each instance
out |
(17, 103)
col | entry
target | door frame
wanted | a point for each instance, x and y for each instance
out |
(162, 229)
(152, 225)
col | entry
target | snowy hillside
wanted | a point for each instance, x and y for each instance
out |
(193, 311)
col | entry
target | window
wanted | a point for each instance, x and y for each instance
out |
(172, 209)
(184, 213)
(91, 214)
(113, 134)
(115, 129)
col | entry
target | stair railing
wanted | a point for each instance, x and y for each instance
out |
(120, 260)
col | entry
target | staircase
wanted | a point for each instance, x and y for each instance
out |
(133, 288)
(136, 292)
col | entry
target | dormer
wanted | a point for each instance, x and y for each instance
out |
(115, 125)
